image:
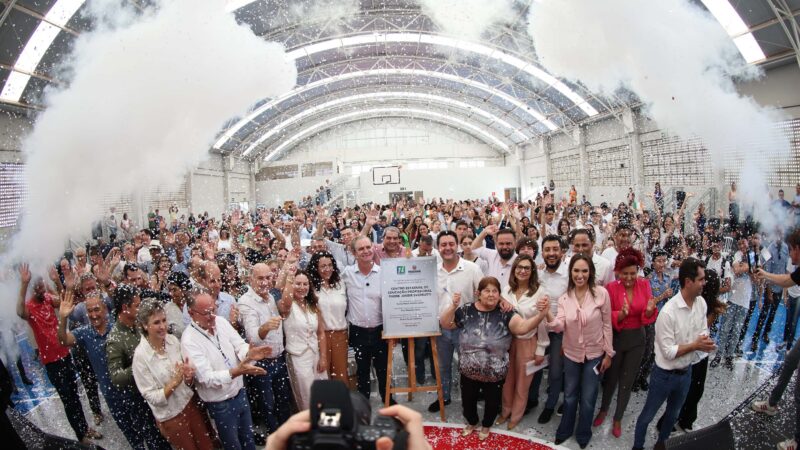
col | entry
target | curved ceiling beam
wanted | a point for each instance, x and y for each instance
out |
(446, 41)
(43, 36)
(230, 132)
(380, 96)
(415, 112)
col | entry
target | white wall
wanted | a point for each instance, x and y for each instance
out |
(388, 140)
(275, 192)
(207, 185)
(779, 88)
(452, 183)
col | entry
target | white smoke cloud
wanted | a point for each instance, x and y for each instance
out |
(468, 19)
(680, 63)
(146, 99)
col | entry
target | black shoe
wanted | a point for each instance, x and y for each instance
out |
(715, 362)
(560, 410)
(583, 445)
(545, 416)
(645, 385)
(559, 441)
(636, 387)
(434, 407)
(529, 407)
(259, 438)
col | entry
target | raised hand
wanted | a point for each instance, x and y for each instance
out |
(67, 304)
(233, 317)
(25, 273)
(53, 274)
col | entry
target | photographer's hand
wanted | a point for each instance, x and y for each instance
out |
(298, 423)
(412, 423)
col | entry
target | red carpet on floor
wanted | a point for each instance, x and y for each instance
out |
(449, 438)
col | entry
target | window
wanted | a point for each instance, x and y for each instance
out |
(12, 193)
(427, 165)
(471, 164)
(278, 173)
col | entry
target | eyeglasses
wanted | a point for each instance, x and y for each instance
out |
(524, 268)
(203, 313)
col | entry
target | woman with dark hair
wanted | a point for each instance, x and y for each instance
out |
(563, 228)
(584, 316)
(632, 308)
(714, 309)
(307, 345)
(524, 294)
(231, 282)
(483, 349)
(326, 281)
(161, 270)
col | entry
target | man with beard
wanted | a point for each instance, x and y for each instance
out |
(39, 311)
(554, 279)
(499, 260)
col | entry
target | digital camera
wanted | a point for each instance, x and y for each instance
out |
(340, 419)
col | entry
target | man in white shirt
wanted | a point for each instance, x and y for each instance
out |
(455, 275)
(718, 262)
(211, 279)
(500, 260)
(220, 357)
(263, 325)
(738, 302)
(622, 240)
(363, 282)
(554, 279)
(681, 340)
(341, 252)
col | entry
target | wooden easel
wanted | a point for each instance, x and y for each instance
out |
(412, 374)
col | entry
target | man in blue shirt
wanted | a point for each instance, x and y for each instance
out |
(122, 403)
(773, 293)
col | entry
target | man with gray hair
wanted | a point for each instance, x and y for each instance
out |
(220, 357)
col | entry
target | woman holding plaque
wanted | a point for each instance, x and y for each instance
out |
(484, 341)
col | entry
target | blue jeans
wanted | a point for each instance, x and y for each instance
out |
(664, 386)
(234, 424)
(580, 384)
(274, 391)
(447, 344)
(729, 331)
(791, 320)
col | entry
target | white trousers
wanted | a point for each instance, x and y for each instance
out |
(303, 372)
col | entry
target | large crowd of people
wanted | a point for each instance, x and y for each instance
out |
(195, 329)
